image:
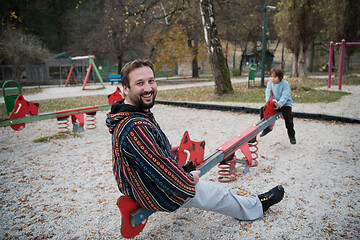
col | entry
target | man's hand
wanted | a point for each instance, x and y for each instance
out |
(195, 175)
(174, 150)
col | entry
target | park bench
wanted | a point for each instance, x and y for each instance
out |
(114, 78)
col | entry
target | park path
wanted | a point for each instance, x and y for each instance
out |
(53, 92)
(347, 106)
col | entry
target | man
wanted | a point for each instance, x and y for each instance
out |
(144, 164)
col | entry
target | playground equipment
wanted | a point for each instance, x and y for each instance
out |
(77, 118)
(10, 94)
(18, 118)
(251, 74)
(115, 96)
(92, 64)
(342, 52)
(21, 109)
(227, 172)
(191, 157)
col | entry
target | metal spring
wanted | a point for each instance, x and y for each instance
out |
(90, 120)
(253, 149)
(227, 172)
(63, 124)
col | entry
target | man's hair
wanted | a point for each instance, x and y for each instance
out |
(278, 72)
(130, 66)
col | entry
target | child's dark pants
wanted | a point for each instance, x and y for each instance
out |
(289, 122)
(287, 114)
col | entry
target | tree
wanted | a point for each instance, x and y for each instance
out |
(298, 23)
(108, 29)
(19, 49)
(191, 21)
(44, 19)
(178, 39)
(169, 45)
(120, 28)
(240, 22)
(344, 24)
(218, 62)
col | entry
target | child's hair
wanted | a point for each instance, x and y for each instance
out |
(278, 72)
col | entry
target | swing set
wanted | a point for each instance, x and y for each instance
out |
(92, 64)
(331, 52)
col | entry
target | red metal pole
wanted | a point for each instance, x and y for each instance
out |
(68, 78)
(341, 62)
(352, 43)
(330, 63)
(88, 72)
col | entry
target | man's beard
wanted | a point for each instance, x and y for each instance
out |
(144, 105)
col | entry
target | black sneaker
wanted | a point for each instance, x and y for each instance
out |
(265, 131)
(292, 140)
(271, 197)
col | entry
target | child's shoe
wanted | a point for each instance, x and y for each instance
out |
(292, 140)
(265, 131)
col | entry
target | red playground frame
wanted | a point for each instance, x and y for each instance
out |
(342, 44)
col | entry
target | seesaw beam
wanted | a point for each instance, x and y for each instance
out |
(42, 116)
(225, 150)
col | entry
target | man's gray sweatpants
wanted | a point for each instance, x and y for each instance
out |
(212, 197)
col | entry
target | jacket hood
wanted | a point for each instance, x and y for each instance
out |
(120, 110)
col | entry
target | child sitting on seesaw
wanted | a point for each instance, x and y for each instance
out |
(282, 101)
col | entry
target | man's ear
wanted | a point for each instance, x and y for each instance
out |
(125, 90)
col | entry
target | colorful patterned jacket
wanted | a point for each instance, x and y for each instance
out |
(143, 166)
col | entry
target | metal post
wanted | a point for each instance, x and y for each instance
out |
(234, 63)
(330, 63)
(97, 72)
(263, 51)
(341, 62)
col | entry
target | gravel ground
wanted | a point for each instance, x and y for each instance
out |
(64, 188)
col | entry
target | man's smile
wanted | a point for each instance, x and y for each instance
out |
(147, 96)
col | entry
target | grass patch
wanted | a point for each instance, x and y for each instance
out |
(48, 138)
(52, 105)
(303, 90)
(56, 136)
(57, 104)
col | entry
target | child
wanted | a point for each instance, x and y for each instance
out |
(282, 95)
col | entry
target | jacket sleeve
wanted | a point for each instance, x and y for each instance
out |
(286, 93)
(154, 159)
(268, 90)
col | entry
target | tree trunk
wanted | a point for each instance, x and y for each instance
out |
(312, 56)
(242, 60)
(302, 61)
(294, 68)
(218, 62)
(120, 58)
(195, 68)
(17, 73)
(346, 69)
(195, 49)
(299, 62)
(282, 57)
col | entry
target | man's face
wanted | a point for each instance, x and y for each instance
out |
(142, 88)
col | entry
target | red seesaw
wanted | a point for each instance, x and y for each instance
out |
(21, 109)
(191, 157)
(26, 111)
